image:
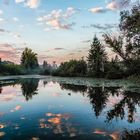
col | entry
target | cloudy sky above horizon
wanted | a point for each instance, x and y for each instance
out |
(58, 30)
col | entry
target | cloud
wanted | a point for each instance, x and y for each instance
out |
(2, 30)
(1, 12)
(16, 35)
(29, 3)
(2, 20)
(17, 108)
(42, 57)
(57, 19)
(33, 3)
(55, 49)
(15, 19)
(118, 4)
(58, 48)
(98, 10)
(19, 1)
(10, 52)
(71, 53)
(102, 26)
(114, 5)
(86, 41)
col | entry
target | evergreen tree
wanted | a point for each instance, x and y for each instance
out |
(96, 58)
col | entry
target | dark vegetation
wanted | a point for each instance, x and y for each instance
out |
(29, 65)
(125, 46)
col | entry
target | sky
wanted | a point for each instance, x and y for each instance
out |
(57, 30)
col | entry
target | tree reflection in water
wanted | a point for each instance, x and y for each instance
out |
(130, 101)
(29, 87)
(131, 135)
(74, 88)
(98, 99)
(99, 96)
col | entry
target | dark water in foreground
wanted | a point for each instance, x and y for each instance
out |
(37, 109)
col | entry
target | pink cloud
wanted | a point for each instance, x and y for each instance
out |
(10, 53)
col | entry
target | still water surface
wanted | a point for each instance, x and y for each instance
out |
(44, 109)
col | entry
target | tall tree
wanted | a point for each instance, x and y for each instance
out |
(29, 59)
(96, 58)
(127, 44)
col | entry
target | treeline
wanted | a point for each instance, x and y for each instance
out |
(10, 69)
(125, 46)
(29, 65)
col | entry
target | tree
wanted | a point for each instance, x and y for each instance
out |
(29, 87)
(96, 58)
(45, 64)
(29, 59)
(73, 68)
(114, 69)
(127, 44)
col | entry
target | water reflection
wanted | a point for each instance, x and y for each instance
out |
(74, 88)
(131, 135)
(114, 135)
(99, 98)
(109, 105)
(29, 87)
(129, 102)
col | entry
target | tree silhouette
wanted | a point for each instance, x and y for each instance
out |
(127, 44)
(29, 59)
(130, 100)
(29, 87)
(96, 58)
(98, 98)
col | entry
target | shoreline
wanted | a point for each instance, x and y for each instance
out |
(79, 81)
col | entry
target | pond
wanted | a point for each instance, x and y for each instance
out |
(41, 108)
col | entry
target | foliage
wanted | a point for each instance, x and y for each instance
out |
(131, 135)
(96, 58)
(46, 72)
(11, 69)
(73, 68)
(114, 69)
(127, 44)
(134, 78)
(29, 59)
